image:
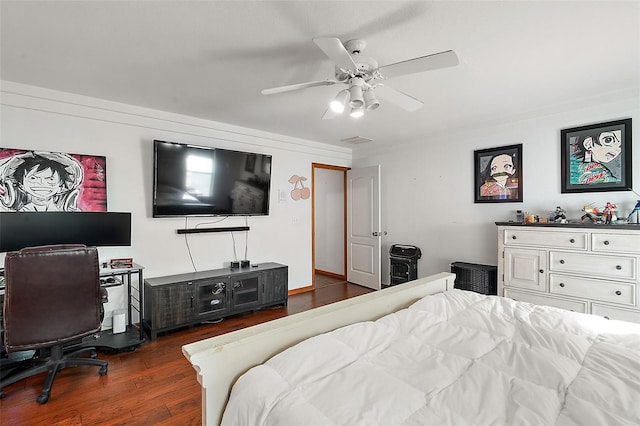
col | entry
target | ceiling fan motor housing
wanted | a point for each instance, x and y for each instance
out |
(365, 64)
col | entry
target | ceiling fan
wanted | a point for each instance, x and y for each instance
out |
(362, 75)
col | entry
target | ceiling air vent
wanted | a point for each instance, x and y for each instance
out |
(356, 140)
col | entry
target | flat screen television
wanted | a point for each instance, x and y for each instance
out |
(206, 181)
(29, 229)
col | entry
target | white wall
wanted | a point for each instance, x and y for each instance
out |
(427, 185)
(41, 119)
(329, 220)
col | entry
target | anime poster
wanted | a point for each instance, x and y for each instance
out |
(498, 174)
(52, 181)
(597, 157)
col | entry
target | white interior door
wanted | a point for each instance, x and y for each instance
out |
(363, 227)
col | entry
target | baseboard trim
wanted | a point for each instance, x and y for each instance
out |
(330, 274)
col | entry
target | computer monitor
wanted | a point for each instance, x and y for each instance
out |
(29, 229)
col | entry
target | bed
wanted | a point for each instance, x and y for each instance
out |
(423, 353)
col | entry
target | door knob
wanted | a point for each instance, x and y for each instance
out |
(379, 233)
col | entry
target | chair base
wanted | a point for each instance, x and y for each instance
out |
(55, 362)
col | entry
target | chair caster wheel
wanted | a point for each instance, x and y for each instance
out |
(103, 371)
(43, 398)
(2, 394)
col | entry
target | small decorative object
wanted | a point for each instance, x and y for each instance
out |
(635, 210)
(531, 218)
(122, 263)
(519, 216)
(560, 216)
(299, 193)
(498, 175)
(596, 157)
(609, 213)
(592, 214)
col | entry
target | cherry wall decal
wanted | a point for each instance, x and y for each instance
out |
(301, 193)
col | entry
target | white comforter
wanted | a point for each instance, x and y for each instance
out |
(455, 358)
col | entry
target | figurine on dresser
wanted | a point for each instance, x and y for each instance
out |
(635, 210)
(609, 213)
(560, 215)
(592, 214)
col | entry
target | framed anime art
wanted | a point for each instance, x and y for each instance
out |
(33, 181)
(498, 175)
(596, 157)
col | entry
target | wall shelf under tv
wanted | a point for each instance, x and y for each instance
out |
(203, 230)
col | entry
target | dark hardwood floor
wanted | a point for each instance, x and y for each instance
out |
(153, 385)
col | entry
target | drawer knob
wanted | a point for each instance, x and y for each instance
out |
(513, 237)
(542, 271)
(618, 267)
(618, 293)
(562, 261)
(606, 242)
(561, 284)
(572, 241)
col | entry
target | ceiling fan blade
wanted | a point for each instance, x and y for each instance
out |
(424, 63)
(330, 114)
(298, 86)
(398, 98)
(334, 49)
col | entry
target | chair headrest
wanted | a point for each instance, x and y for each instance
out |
(52, 247)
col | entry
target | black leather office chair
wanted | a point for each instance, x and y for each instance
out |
(52, 298)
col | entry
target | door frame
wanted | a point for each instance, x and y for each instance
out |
(344, 170)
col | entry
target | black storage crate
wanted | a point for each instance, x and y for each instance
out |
(479, 278)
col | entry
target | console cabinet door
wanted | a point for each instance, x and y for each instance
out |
(172, 305)
(213, 297)
(275, 287)
(245, 292)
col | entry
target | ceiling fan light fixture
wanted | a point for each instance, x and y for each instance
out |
(370, 100)
(338, 103)
(357, 112)
(355, 88)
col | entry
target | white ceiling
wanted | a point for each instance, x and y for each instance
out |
(210, 59)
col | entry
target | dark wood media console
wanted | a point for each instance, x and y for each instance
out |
(176, 301)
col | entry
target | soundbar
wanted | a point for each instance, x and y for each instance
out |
(204, 230)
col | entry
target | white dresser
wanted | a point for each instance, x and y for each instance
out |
(580, 267)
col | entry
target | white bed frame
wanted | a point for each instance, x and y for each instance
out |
(220, 360)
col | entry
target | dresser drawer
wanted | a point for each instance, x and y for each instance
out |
(604, 291)
(615, 243)
(568, 240)
(536, 299)
(615, 267)
(614, 313)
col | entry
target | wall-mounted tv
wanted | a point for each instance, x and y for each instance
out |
(205, 181)
(29, 229)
